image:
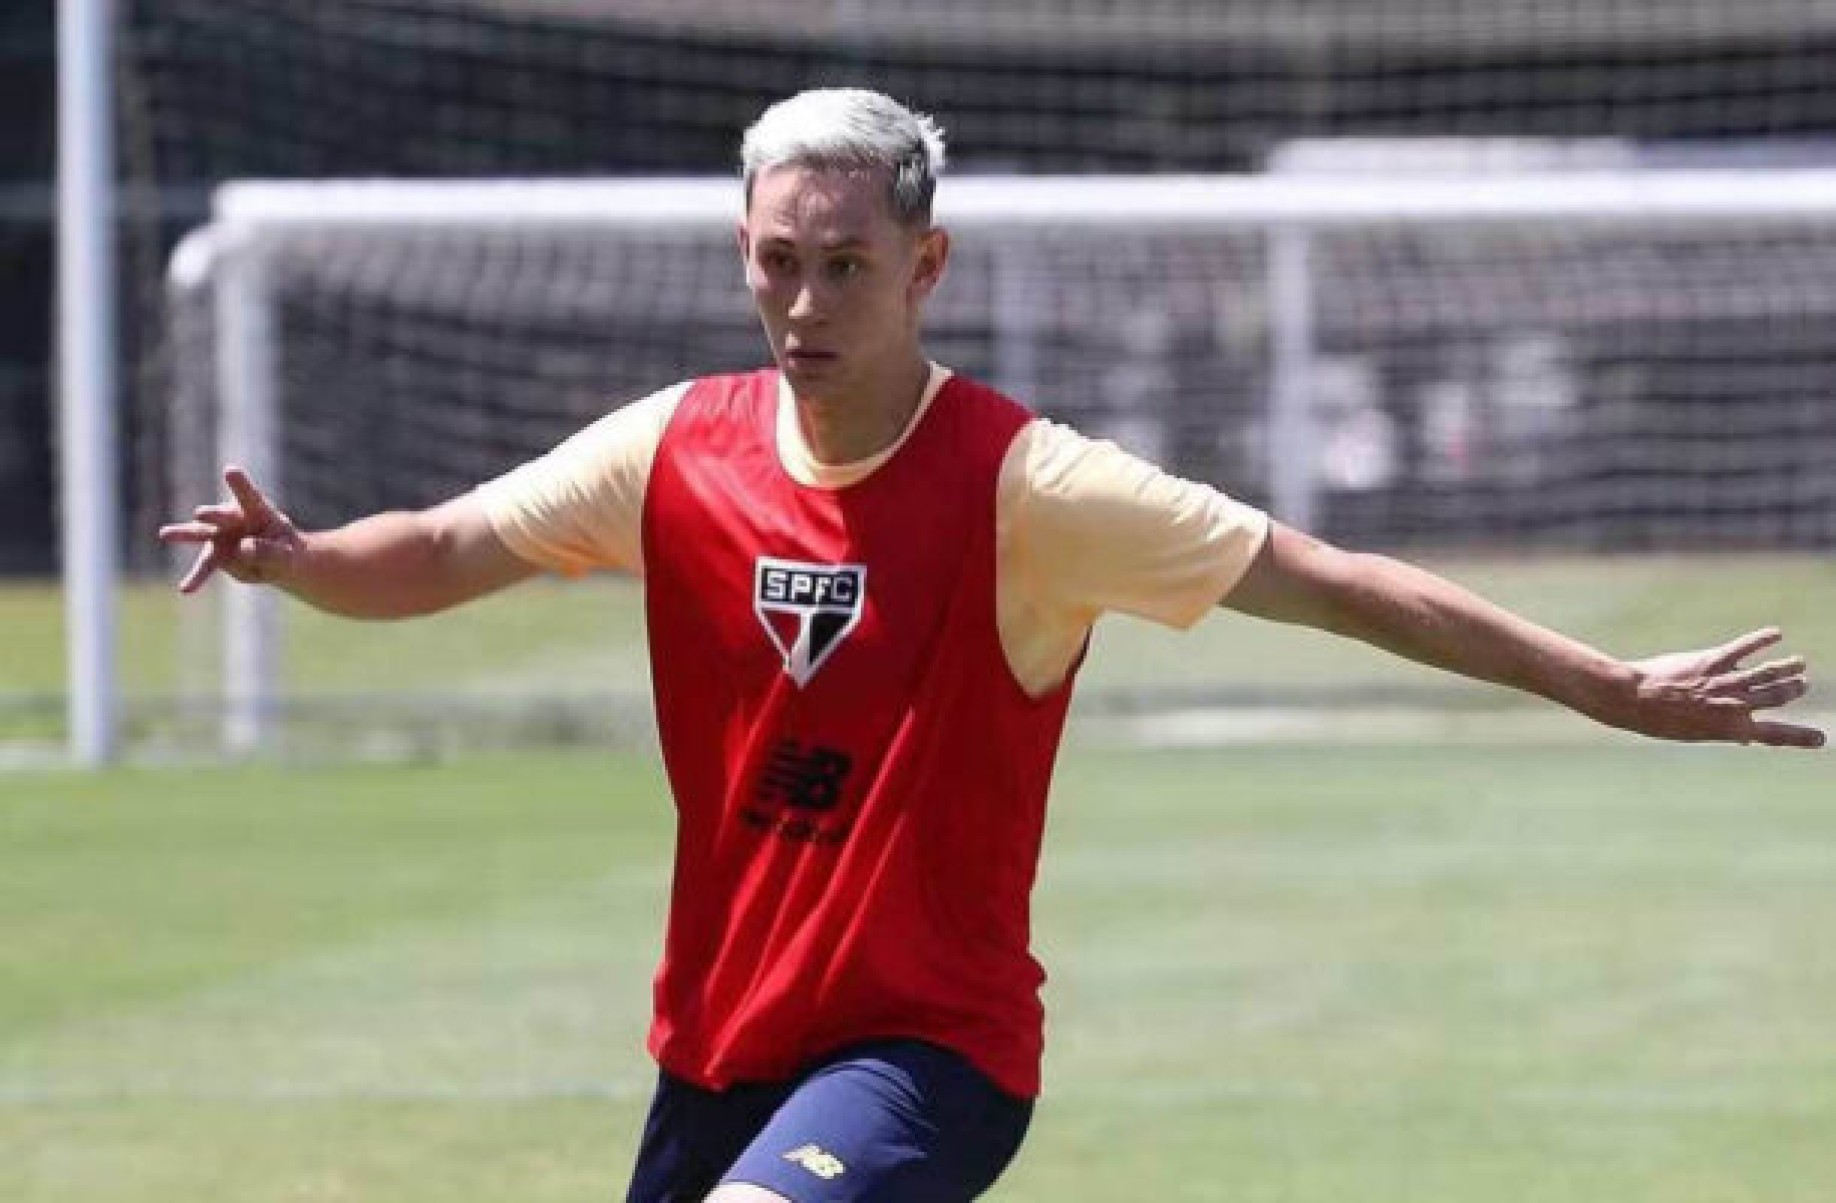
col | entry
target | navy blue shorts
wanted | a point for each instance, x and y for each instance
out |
(890, 1122)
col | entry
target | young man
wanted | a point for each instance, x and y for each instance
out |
(869, 584)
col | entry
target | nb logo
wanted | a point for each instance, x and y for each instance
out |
(807, 609)
(797, 794)
(812, 1158)
(807, 778)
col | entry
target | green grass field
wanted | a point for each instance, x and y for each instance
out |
(1509, 973)
(1556, 970)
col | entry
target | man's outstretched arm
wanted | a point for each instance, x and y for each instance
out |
(392, 565)
(1696, 695)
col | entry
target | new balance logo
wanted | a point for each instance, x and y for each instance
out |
(798, 793)
(807, 609)
(812, 1158)
(809, 779)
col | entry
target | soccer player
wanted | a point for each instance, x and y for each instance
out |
(869, 584)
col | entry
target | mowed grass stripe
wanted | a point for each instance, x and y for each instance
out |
(138, 886)
(1307, 975)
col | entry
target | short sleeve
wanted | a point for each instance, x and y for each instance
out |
(581, 506)
(1094, 528)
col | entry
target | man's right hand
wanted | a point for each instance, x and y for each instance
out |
(246, 537)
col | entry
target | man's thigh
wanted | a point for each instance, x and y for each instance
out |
(893, 1122)
(692, 1136)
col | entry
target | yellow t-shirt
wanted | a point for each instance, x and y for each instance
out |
(1081, 526)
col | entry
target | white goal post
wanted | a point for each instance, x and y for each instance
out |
(231, 261)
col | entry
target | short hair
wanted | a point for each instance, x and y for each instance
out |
(851, 129)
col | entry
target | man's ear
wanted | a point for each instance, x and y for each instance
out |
(933, 256)
(744, 240)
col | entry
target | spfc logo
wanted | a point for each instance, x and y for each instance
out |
(807, 609)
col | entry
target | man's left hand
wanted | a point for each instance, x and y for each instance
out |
(1707, 695)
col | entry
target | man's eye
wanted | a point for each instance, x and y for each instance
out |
(845, 269)
(776, 261)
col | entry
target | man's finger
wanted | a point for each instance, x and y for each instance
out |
(1736, 650)
(1779, 693)
(220, 514)
(187, 532)
(1786, 735)
(253, 503)
(1764, 674)
(201, 568)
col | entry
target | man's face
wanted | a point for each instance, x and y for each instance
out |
(838, 281)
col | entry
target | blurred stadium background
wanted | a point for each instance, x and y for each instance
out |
(1564, 393)
(1452, 947)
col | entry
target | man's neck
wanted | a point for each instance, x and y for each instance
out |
(845, 430)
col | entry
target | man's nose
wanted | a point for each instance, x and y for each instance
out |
(805, 304)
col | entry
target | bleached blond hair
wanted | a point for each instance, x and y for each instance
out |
(851, 129)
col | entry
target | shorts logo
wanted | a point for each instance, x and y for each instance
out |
(812, 1158)
(807, 609)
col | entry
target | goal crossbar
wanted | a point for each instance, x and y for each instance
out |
(1278, 201)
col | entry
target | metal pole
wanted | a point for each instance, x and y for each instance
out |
(86, 359)
(191, 454)
(247, 433)
(1293, 441)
